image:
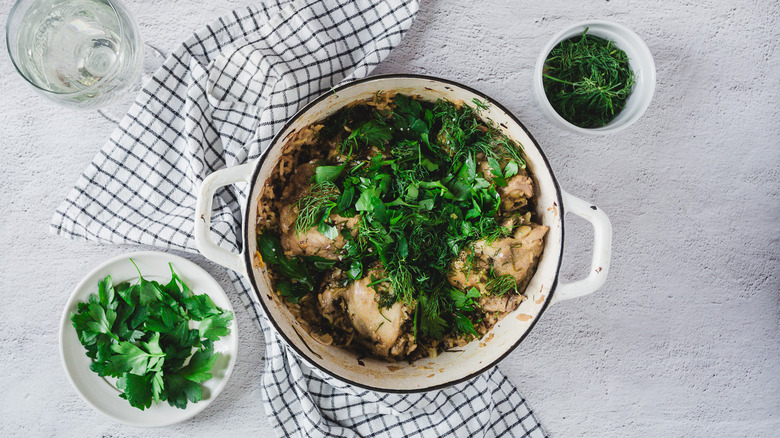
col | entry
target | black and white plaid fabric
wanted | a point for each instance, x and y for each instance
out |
(216, 102)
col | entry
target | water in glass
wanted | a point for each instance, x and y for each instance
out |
(84, 53)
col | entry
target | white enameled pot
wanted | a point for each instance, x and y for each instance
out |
(450, 367)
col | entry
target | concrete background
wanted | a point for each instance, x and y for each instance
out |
(683, 340)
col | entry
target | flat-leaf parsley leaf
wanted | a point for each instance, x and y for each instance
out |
(139, 333)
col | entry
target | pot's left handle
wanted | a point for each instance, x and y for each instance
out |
(203, 241)
(602, 249)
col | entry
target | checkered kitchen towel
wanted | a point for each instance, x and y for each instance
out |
(216, 102)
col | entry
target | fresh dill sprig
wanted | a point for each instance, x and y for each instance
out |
(314, 205)
(429, 313)
(492, 231)
(463, 135)
(458, 126)
(507, 150)
(587, 80)
(401, 283)
(501, 284)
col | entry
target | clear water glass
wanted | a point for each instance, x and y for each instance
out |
(79, 53)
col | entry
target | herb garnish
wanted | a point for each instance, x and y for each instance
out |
(410, 172)
(303, 273)
(141, 334)
(316, 204)
(587, 80)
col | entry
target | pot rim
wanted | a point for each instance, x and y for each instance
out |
(248, 257)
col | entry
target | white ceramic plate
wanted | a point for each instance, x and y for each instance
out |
(100, 392)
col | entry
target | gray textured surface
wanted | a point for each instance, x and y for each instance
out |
(683, 340)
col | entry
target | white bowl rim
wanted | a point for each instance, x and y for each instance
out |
(620, 34)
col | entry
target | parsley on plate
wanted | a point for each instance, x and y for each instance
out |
(156, 339)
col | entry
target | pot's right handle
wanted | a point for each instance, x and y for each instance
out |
(203, 241)
(602, 249)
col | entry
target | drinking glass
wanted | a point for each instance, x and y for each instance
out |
(79, 53)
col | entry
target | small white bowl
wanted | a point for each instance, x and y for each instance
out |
(100, 392)
(639, 58)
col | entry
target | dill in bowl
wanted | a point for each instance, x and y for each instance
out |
(587, 80)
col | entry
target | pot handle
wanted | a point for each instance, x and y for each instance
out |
(602, 249)
(203, 241)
